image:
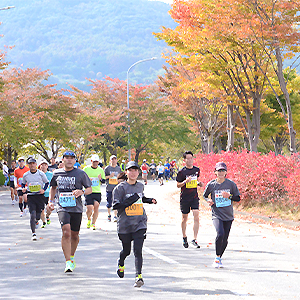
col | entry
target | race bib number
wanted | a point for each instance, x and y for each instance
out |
(67, 200)
(95, 181)
(192, 184)
(20, 181)
(220, 200)
(34, 187)
(113, 181)
(136, 209)
(144, 171)
(12, 177)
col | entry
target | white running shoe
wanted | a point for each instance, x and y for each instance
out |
(217, 263)
(13, 202)
(26, 211)
(33, 237)
(21, 214)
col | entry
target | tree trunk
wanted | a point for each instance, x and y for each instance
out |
(230, 128)
(9, 155)
(137, 154)
(286, 95)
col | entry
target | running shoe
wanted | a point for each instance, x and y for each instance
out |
(69, 266)
(37, 224)
(185, 242)
(73, 262)
(109, 218)
(94, 226)
(26, 211)
(33, 237)
(138, 281)
(195, 243)
(120, 270)
(48, 221)
(115, 219)
(44, 225)
(12, 202)
(217, 263)
(21, 214)
(88, 225)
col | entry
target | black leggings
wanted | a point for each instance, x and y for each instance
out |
(223, 229)
(138, 241)
(36, 204)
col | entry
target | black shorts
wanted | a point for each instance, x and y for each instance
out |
(36, 202)
(12, 184)
(46, 200)
(128, 237)
(161, 175)
(20, 193)
(152, 172)
(74, 219)
(187, 206)
(91, 198)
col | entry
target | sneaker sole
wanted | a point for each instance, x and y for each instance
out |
(139, 284)
(68, 271)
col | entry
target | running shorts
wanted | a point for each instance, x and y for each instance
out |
(161, 175)
(74, 219)
(20, 193)
(128, 237)
(109, 199)
(89, 199)
(187, 206)
(12, 184)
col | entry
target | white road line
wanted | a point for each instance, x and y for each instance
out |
(160, 256)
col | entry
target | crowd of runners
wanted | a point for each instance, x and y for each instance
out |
(40, 188)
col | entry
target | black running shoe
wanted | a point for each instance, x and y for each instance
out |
(185, 242)
(120, 270)
(195, 244)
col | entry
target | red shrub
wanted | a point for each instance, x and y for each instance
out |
(260, 178)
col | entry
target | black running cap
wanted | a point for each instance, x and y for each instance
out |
(132, 164)
(31, 160)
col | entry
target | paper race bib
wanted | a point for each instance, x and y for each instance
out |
(220, 200)
(113, 180)
(34, 187)
(136, 209)
(20, 181)
(12, 177)
(95, 181)
(192, 184)
(67, 200)
(144, 171)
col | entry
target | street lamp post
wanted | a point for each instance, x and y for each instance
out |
(128, 116)
(8, 7)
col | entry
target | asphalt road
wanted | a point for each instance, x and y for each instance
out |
(260, 262)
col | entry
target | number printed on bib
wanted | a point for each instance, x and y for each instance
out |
(113, 180)
(67, 200)
(95, 181)
(220, 200)
(20, 181)
(192, 184)
(136, 209)
(34, 187)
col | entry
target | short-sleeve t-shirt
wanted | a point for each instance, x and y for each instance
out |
(113, 181)
(160, 169)
(93, 175)
(134, 217)
(189, 190)
(167, 167)
(51, 168)
(11, 174)
(222, 208)
(18, 173)
(34, 181)
(66, 182)
(144, 169)
(49, 175)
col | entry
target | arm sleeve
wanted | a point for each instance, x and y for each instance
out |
(206, 191)
(127, 202)
(53, 181)
(179, 177)
(236, 198)
(147, 200)
(46, 186)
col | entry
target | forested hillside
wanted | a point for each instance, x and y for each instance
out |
(79, 39)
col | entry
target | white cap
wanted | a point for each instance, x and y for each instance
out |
(21, 158)
(95, 157)
(113, 156)
(44, 162)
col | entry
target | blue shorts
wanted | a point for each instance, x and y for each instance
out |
(109, 199)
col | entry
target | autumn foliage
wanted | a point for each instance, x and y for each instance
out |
(261, 179)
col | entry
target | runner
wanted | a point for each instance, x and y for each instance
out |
(69, 182)
(37, 183)
(13, 191)
(128, 199)
(153, 170)
(222, 192)
(173, 169)
(145, 170)
(18, 173)
(160, 172)
(96, 174)
(188, 180)
(53, 165)
(5, 172)
(167, 170)
(111, 173)
(44, 168)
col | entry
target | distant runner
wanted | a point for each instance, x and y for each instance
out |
(153, 170)
(145, 170)
(13, 190)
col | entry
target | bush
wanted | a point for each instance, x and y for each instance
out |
(260, 178)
